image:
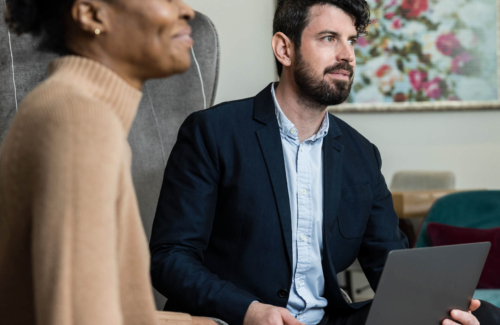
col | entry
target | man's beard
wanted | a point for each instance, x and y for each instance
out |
(319, 92)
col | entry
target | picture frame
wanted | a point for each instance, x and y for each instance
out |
(427, 55)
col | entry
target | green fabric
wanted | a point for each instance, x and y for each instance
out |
(478, 209)
(490, 295)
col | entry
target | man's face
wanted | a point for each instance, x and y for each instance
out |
(324, 64)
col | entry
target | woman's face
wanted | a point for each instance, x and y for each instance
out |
(149, 38)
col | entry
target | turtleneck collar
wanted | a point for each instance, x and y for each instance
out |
(101, 83)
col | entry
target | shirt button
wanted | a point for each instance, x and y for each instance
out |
(301, 150)
(303, 238)
(293, 131)
(282, 293)
(304, 192)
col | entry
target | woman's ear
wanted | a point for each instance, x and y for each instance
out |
(91, 16)
(282, 48)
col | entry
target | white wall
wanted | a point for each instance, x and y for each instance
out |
(245, 31)
(466, 143)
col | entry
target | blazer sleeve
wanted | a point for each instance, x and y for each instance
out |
(182, 228)
(382, 233)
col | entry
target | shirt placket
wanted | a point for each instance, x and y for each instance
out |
(304, 220)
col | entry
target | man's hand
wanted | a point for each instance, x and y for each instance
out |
(464, 317)
(202, 321)
(262, 314)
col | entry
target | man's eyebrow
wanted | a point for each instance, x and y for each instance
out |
(336, 34)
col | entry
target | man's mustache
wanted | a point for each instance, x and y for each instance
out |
(340, 66)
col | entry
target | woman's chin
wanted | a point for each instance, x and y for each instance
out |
(182, 63)
(176, 66)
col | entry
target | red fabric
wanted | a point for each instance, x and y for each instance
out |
(449, 235)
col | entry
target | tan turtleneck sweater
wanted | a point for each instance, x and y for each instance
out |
(72, 246)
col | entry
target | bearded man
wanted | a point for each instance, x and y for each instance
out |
(266, 199)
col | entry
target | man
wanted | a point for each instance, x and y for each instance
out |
(266, 199)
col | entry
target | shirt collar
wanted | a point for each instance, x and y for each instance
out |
(288, 129)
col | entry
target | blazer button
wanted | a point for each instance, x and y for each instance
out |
(282, 293)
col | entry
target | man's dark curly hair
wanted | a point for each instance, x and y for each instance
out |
(40, 18)
(292, 17)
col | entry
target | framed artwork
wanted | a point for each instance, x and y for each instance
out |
(428, 55)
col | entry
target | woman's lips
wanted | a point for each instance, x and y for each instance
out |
(185, 36)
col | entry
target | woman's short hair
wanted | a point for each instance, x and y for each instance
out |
(291, 17)
(40, 18)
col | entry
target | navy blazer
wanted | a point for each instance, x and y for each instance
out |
(222, 234)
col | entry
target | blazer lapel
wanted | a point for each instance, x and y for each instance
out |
(270, 143)
(333, 153)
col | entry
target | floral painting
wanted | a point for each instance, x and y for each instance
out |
(427, 51)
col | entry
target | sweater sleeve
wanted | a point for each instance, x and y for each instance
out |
(74, 233)
(169, 318)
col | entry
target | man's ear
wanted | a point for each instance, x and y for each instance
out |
(283, 49)
(91, 16)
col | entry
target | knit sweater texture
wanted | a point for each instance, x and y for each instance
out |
(72, 246)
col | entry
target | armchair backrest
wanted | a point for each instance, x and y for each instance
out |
(477, 209)
(413, 180)
(165, 104)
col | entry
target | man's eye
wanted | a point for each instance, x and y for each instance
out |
(329, 39)
(353, 42)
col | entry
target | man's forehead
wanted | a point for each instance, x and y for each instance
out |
(330, 17)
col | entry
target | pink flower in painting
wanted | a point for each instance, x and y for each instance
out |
(417, 79)
(383, 70)
(413, 8)
(389, 15)
(433, 88)
(362, 41)
(459, 61)
(397, 24)
(448, 44)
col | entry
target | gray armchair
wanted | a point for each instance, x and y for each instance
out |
(165, 104)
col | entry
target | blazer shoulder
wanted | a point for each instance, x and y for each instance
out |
(351, 134)
(359, 148)
(225, 115)
(229, 109)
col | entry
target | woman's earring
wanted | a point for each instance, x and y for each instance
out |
(97, 31)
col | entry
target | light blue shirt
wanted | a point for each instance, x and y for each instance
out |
(304, 173)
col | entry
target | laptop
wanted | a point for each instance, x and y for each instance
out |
(421, 286)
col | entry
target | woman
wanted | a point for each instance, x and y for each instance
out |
(72, 247)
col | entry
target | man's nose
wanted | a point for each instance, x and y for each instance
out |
(346, 52)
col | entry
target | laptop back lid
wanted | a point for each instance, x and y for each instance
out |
(422, 286)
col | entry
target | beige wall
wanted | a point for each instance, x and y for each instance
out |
(467, 143)
(245, 32)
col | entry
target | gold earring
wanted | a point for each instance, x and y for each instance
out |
(97, 31)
